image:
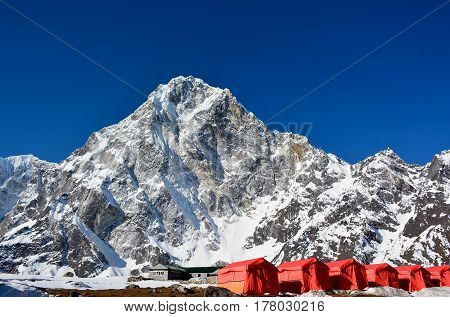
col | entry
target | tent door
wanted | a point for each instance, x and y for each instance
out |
(294, 287)
(403, 284)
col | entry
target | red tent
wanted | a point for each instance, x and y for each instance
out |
(347, 275)
(381, 275)
(413, 278)
(440, 275)
(303, 276)
(252, 277)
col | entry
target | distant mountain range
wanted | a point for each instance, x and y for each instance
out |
(192, 178)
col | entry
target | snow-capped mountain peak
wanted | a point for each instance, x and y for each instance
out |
(191, 177)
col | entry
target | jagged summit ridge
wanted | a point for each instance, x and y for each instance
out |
(191, 177)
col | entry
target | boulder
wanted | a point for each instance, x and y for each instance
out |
(213, 291)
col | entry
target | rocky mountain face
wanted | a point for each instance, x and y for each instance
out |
(192, 178)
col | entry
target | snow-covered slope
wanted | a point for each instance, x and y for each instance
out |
(191, 177)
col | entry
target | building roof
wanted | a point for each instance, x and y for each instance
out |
(204, 269)
(201, 269)
(162, 267)
(158, 267)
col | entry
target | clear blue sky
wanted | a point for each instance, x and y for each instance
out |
(268, 54)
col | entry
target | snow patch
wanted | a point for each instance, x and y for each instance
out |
(433, 292)
(386, 292)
